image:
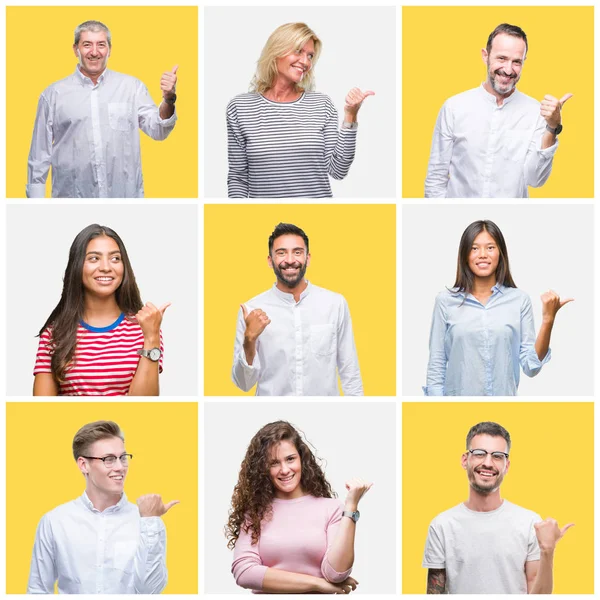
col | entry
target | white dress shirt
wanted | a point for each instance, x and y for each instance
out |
(89, 135)
(482, 150)
(298, 352)
(115, 551)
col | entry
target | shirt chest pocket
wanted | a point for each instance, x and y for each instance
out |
(322, 339)
(120, 116)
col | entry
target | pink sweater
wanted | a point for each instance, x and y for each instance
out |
(296, 539)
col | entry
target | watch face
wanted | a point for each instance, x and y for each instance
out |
(154, 354)
(356, 516)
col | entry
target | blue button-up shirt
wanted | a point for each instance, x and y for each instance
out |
(475, 349)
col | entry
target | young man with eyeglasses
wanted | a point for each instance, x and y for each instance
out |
(100, 543)
(488, 545)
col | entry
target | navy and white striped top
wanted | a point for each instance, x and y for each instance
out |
(286, 149)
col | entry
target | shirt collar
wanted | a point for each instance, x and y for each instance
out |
(492, 99)
(498, 287)
(289, 298)
(117, 507)
(86, 80)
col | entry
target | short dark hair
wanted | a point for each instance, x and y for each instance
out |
(513, 30)
(287, 229)
(488, 428)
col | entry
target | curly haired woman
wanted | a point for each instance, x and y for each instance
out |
(289, 533)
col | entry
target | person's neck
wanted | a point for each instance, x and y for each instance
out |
(283, 91)
(483, 502)
(482, 287)
(94, 78)
(499, 97)
(295, 291)
(100, 312)
(102, 501)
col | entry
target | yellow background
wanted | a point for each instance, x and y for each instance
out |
(441, 49)
(41, 474)
(551, 473)
(146, 42)
(353, 252)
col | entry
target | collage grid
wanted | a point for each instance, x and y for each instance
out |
(214, 237)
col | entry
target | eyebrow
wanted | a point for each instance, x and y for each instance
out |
(293, 249)
(96, 253)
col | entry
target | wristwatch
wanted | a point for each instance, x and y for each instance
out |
(555, 131)
(354, 515)
(171, 100)
(153, 354)
(348, 125)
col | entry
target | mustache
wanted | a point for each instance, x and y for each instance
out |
(295, 265)
(478, 470)
(501, 72)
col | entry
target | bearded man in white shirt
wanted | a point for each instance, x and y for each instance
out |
(100, 543)
(487, 545)
(86, 127)
(291, 339)
(493, 141)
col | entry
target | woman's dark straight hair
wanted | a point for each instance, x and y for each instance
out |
(464, 276)
(64, 319)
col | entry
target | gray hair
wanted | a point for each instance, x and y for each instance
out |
(92, 26)
(488, 428)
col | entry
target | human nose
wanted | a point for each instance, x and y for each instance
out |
(284, 469)
(487, 460)
(104, 264)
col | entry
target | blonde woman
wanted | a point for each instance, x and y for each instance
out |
(284, 140)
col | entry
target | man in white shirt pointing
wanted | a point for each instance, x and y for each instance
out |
(100, 543)
(86, 126)
(291, 339)
(493, 141)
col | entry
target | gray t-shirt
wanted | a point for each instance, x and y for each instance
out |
(483, 552)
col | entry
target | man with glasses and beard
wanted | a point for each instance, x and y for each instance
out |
(291, 339)
(493, 141)
(100, 543)
(488, 545)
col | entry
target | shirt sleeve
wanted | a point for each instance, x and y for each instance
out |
(538, 162)
(43, 357)
(328, 572)
(435, 553)
(438, 169)
(150, 563)
(245, 376)
(340, 145)
(40, 153)
(533, 547)
(347, 359)
(528, 357)
(247, 567)
(436, 367)
(237, 178)
(43, 572)
(149, 119)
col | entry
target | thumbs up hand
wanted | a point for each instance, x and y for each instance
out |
(168, 81)
(550, 109)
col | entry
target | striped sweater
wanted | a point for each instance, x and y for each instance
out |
(105, 359)
(286, 149)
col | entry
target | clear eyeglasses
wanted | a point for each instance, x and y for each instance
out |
(109, 461)
(479, 454)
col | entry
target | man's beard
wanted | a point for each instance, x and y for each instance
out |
(286, 281)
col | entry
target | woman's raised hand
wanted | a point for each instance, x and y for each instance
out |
(551, 304)
(354, 101)
(149, 319)
(357, 488)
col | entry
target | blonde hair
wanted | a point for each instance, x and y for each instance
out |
(284, 40)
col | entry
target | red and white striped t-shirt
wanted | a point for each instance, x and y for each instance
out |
(105, 359)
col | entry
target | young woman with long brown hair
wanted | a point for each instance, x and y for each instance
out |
(100, 339)
(288, 532)
(482, 330)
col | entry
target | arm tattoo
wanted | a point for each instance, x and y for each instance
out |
(436, 581)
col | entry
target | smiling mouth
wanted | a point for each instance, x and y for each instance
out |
(116, 477)
(286, 479)
(486, 474)
(104, 279)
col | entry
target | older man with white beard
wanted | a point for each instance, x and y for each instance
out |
(493, 141)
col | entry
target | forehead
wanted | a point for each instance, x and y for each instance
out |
(483, 239)
(102, 243)
(93, 36)
(508, 45)
(489, 443)
(288, 242)
(282, 449)
(112, 445)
